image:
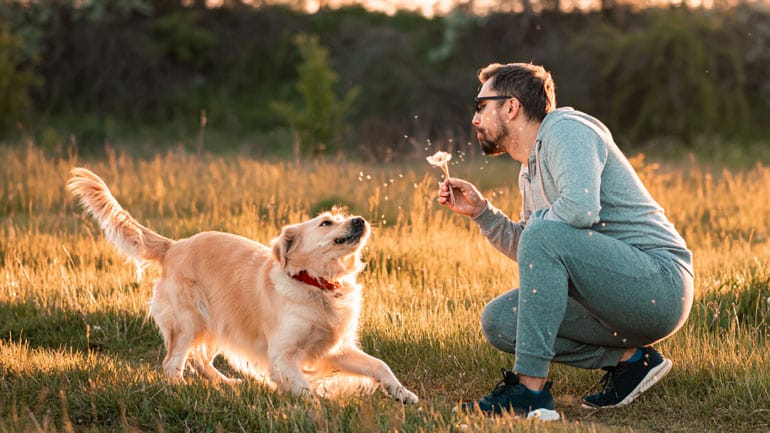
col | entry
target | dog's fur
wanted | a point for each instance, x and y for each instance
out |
(223, 293)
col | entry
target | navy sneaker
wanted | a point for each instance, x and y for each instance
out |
(628, 380)
(511, 396)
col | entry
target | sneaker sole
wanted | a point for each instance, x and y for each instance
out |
(653, 377)
(543, 415)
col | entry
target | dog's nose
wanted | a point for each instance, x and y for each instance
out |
(358, 223)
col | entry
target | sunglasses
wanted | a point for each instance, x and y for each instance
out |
(478, 99)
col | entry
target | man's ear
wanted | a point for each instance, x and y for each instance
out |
(285, 243)
(514, 107)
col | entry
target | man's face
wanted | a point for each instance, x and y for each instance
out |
(490, 128)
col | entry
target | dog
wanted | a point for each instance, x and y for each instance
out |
(288, 309)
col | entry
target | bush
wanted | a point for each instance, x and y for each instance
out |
(679, 75)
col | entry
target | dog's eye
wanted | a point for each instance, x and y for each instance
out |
(326, 223)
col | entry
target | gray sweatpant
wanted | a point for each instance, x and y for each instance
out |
(584, 298)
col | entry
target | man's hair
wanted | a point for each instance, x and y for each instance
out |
(531, 84)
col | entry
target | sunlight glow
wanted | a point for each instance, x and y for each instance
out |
(432, 8)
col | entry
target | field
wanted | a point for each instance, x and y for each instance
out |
(76, 353)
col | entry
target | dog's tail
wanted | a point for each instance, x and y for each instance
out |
(134, 240)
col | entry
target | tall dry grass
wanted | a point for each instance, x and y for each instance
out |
(76, 353)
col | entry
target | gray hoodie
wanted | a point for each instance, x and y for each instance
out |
(577, 175)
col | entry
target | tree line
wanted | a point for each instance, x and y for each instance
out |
(367, 83)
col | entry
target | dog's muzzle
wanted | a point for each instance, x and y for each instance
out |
(357, 229)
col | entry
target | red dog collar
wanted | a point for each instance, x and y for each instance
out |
(321, 283)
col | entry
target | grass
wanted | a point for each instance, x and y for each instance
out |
(76, 353)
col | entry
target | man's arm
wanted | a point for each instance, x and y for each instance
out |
(501, 231)
(574, 156)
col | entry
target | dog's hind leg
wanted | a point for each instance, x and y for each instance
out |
(203, 359)
(178, 346)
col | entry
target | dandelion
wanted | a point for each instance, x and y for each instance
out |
(440, 159)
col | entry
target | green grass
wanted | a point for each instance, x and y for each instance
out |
(77, 353)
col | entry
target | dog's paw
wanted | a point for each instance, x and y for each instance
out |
(405, 396)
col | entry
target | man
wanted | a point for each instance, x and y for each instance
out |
(603, 273)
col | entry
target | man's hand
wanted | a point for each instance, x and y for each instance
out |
(468, 200)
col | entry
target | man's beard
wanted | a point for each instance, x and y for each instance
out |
(492, 145)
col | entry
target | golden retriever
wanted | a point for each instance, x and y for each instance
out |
(287, 310)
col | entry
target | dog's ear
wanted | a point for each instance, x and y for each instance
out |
(285, 243)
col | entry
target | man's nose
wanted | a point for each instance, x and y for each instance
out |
(476, 121)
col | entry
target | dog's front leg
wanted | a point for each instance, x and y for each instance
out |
(286, 373)
(355, 361)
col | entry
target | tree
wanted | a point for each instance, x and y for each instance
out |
(319, 123)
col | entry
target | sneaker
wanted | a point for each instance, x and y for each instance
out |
(511, 396)
(628, 380)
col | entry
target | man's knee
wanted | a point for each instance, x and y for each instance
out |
(543, 236)
(498, 321)
(540, 231)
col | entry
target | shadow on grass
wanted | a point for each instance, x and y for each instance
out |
(109, 331)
